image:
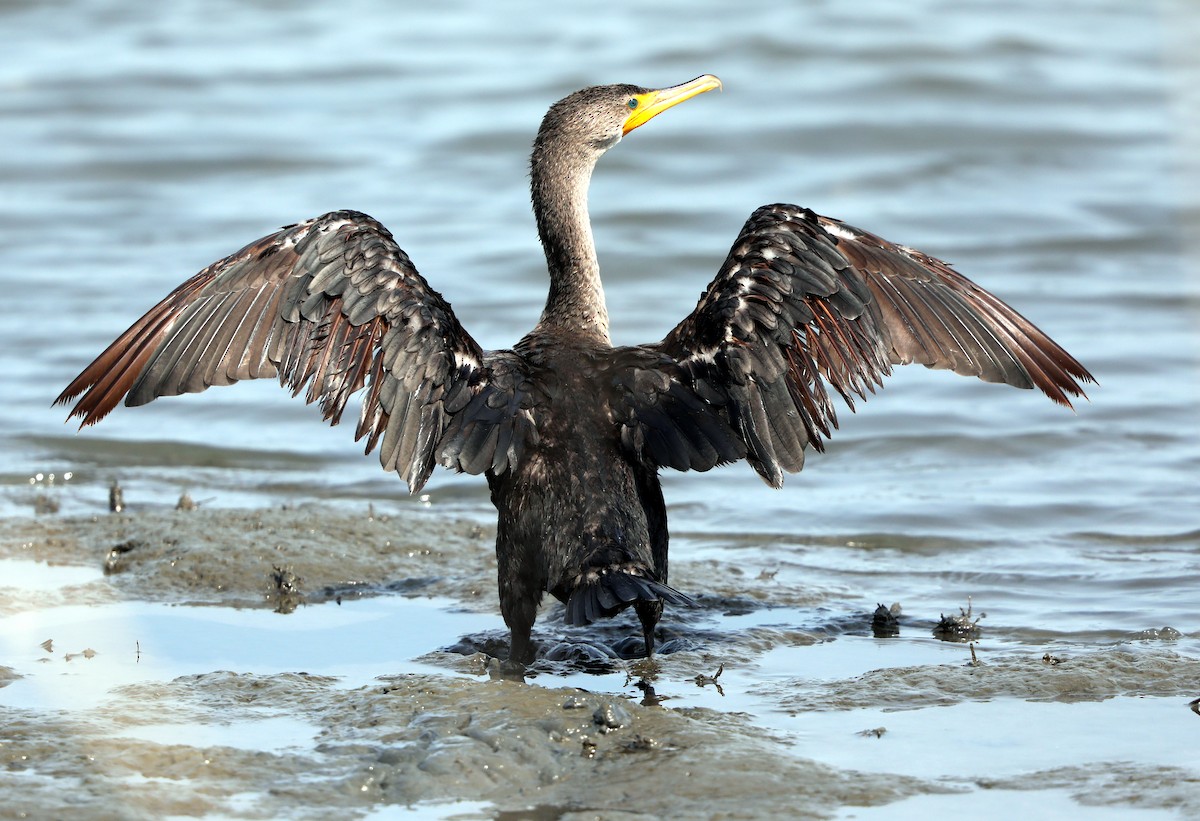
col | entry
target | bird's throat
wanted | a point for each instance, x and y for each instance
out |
(576, 300)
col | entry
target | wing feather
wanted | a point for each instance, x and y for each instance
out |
(804, 303)
(234, 335)
(329, 306)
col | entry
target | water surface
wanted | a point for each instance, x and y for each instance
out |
(1048, 151)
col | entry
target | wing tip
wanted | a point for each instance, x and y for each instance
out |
(87, 409)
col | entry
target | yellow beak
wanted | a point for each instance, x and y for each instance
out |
(644, 107)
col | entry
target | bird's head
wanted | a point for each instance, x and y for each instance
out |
(594, 119)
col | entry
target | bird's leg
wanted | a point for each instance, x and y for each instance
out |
(520, 644)
(649, 612)
(518, 605)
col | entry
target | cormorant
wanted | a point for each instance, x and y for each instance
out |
(570, 431)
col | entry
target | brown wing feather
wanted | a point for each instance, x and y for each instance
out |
(804, 301)
(331, 305)
(939, 318)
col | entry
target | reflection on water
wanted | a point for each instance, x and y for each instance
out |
(95, 649)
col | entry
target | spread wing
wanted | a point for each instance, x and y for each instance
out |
(332, 304)
(667, 416)
(804, 303)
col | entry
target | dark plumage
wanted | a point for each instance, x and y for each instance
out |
(570, 431)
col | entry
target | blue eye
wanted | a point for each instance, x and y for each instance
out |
(632, 102)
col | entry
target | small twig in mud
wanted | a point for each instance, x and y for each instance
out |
(703, 680)
(974, 662)
(116, 498)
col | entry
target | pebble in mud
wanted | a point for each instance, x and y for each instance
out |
(640, 744)
(611, 716)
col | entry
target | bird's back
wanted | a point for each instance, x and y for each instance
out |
(577, 498)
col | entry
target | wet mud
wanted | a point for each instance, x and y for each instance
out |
(421, 738)
(708, 729)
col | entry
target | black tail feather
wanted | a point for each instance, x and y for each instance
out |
(622, 587)
(606, 592)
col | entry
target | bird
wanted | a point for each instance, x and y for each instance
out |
(570, 431)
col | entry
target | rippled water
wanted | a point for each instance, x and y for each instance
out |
(1047, 150)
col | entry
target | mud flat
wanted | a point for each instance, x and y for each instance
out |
(311, 662)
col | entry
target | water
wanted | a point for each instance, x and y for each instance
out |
(1048, 151)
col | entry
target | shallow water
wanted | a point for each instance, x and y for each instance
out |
(1049, 152)
(758, 705)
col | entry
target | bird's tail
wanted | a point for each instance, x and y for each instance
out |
(602, 592)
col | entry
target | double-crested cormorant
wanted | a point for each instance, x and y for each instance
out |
(570, 431)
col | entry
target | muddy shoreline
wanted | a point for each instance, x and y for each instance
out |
(452, 740)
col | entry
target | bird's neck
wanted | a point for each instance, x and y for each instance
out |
(576, 301)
